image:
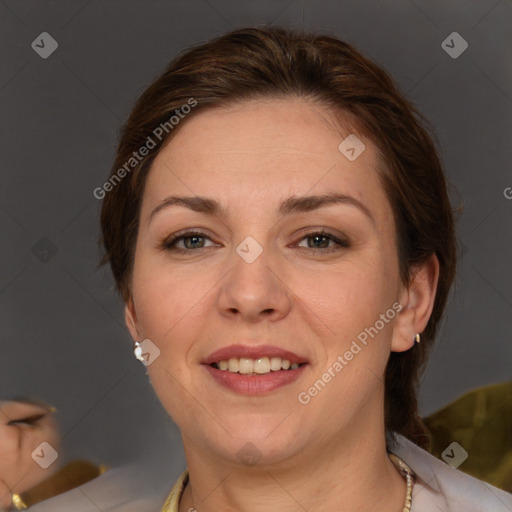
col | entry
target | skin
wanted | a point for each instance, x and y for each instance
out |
(330, 452)
(23, 427)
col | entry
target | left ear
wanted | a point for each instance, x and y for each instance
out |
(417, 302)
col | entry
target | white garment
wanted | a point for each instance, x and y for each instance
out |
(124, 489)
(439, 487)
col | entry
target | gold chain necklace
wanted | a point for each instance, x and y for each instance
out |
(408, 474)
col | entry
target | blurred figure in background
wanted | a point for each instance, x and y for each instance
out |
(29, 446)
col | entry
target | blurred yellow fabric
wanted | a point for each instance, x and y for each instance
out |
(74, 474)
(481, 422)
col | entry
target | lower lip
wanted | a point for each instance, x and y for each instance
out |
(254, 384)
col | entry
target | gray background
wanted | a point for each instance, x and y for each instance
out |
(62, 333)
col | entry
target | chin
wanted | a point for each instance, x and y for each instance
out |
(259, 453)
(254, 446)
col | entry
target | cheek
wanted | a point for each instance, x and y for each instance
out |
(172, 306)
(9, 439)
(355, 294)
(165, 298)
(350, 303)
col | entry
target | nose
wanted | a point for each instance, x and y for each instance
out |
(255, 288)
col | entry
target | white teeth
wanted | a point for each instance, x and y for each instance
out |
(275, 363)
(259, 366)
(232, 365)
(262, 365)
(246, 365)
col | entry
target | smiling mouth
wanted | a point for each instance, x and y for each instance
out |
(260, 366)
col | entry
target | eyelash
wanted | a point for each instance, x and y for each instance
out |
(170, 243)
(29, 421)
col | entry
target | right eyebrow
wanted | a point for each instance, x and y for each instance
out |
(194, 203)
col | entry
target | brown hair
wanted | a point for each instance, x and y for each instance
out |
(276, 62)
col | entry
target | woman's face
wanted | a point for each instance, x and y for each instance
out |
(261, 273)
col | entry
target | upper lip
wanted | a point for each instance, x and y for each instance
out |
(252, 352)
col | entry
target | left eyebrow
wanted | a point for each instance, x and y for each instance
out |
(289, 206)
(308, 203)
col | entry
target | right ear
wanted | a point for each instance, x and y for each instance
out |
(130, 318)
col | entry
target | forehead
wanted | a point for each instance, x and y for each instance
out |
(270, 127)
(258, 150)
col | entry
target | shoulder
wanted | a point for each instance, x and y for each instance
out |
(440, 487)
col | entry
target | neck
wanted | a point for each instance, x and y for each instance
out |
(353, 472)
